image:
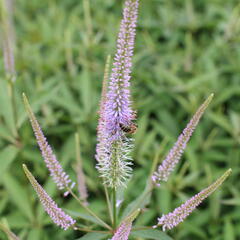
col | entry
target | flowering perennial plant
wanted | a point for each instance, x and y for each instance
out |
(114, 135)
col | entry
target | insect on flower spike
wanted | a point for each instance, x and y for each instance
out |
(174, 155)
(56, 171)
(114, 146)
(58, 216)
(124, 230)
(172, 219)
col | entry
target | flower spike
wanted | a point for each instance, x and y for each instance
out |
(125, 228)
(82, 187)
(56, 171)
(116, 113)
(58, 216)
(174, 155)
(172, 219)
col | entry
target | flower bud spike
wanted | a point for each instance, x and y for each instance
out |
(81, 180)
(58, 216)
(124, 230)
(174, 155)
(172, 219)
(56, 171)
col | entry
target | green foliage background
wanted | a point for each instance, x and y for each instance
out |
(185, 50)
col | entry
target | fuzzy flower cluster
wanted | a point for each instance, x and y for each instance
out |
(172, 219)
(173, 157)
(58, 216)
(56, 171)
(116, 114)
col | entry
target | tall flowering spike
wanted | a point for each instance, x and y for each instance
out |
(56, 171)
(124, 230)
(58, 216)
(116, 113)
(8, 38)
(118, 104)
(172, 219)
(174, 155)
(82, 188)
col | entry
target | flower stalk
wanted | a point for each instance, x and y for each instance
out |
(172, 219)
(58, 216)
(116, 114)
(60, 177)
(82, 188)
(124, 229)
(174, 155)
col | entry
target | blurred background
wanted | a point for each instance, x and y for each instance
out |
(185, 50)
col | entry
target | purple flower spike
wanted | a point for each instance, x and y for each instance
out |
(56, 171)
(58, 216)
(172, 219)
(118, 104)
(124, 230)
(173, 157)
(116, 114)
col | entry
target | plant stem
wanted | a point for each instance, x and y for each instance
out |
(14, 107)
(108, 204)
(140, 228)
(89, 210)
(114, 208)
(90, 230)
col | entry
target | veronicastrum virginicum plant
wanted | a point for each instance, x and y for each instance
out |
(113, 152)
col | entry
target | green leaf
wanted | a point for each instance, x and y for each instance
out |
(6, 108)
(35, 234)
(140, 202)
(151, 234)
(85, 216)
(93, 236)
(18, 195)
(7, 155)
(5, 133)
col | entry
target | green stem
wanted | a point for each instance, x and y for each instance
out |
(108, 204)
(13, 103)
(90, 230)
(114, 208)
(89, 210)
(140, 228)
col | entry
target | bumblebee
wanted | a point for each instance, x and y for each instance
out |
(131, 129)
